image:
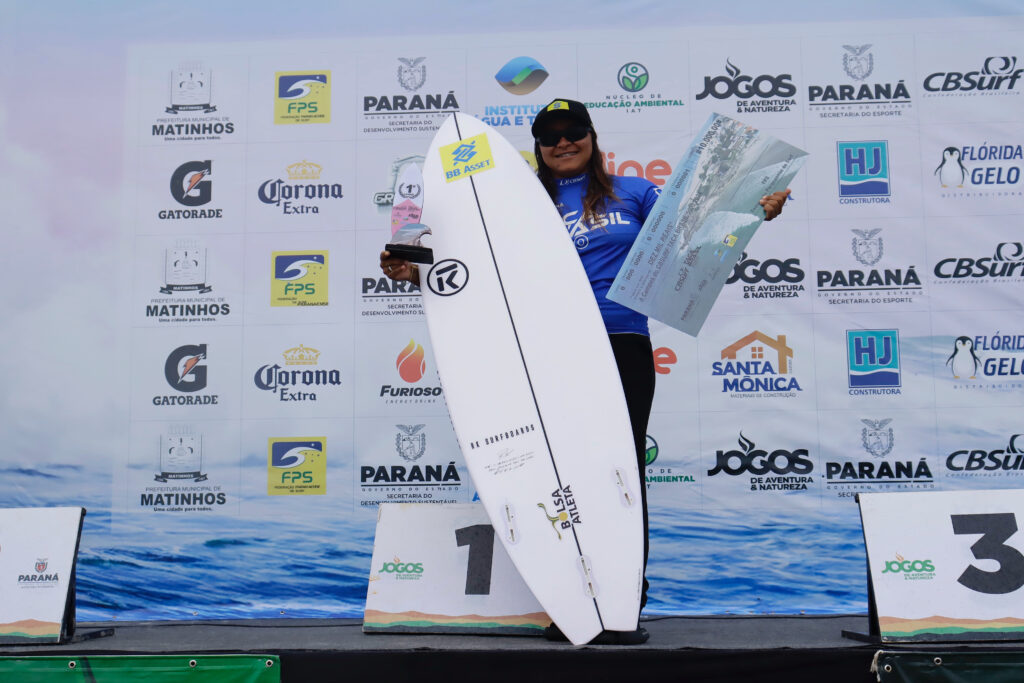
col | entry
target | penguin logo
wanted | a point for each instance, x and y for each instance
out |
(964, 361)
(951, 170)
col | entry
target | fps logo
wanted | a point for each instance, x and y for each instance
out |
(873, 358)
(302, 97)
(863, 172)
(297, 466)
(521, 75)
(300, 278)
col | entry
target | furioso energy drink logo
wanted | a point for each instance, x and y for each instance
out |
(297, 466)
(521, 75)
(873, 359)
(864, 172)
(302, 97)
(300, 278)
(466, 157)
(411, 365)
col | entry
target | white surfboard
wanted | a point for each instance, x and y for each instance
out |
(531, 382)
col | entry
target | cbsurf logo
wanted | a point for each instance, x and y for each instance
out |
(762, 93)
(864, 172)
(998, 75)
(1005, 265)
(297, 466)
(1003, 461)
(521, 75)
(302, 97)
(873, 362)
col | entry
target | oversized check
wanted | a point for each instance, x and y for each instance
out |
(707, 213)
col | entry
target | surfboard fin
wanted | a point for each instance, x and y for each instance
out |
(511, 532)
(589, 583)
(626, 496)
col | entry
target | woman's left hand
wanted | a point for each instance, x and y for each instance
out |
(772, 203)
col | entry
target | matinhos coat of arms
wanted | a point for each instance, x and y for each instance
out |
(410, 442)
(858, 63)
(412, 73)
(866, 247)
(876, 438)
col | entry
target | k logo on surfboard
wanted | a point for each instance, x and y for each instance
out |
(448, 277)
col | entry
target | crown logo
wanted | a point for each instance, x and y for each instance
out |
(301, 355)
(304, 170)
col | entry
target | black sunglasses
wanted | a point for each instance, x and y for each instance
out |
(550, 138)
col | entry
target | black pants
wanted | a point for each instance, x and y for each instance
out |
(635, 358)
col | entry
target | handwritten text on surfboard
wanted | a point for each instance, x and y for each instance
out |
(466, 157)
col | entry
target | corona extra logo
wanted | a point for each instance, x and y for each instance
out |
(304, 170)
(301, 355)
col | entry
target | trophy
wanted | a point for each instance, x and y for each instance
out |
(406, 208)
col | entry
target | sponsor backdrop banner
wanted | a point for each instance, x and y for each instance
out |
(239, 388)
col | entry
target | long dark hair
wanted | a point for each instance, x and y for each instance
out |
(599, 189)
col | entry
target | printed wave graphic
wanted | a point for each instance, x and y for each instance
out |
(875, 378)
(864, 188)
(521, 75)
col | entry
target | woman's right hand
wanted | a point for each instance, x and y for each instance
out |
(399, 269)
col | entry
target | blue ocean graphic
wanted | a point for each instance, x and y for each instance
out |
(875, 378)
(143, 567)
(864, 188)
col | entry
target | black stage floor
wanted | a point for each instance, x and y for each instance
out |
(712, 648)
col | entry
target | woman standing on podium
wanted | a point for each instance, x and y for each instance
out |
(603, 214)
